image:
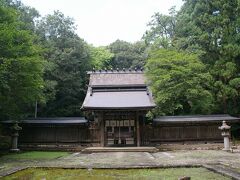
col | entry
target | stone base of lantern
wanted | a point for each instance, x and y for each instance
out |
(15, 142)
(14, 150)
(226, 136)
(228, 150)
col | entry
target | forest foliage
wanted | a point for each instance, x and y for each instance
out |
(211, 31)
(191, 59)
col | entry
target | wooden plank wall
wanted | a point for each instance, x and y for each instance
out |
(59, 134)
(150, 135)
(180, 133)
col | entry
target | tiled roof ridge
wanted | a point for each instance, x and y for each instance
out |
(116, 71)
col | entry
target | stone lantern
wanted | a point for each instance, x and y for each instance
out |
(226, 135)
(15, 128)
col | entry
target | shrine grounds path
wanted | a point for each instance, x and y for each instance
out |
(216, 160)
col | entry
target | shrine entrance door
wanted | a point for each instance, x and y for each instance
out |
(120, 129)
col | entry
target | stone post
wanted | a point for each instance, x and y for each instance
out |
(15, 128)
(226, 135)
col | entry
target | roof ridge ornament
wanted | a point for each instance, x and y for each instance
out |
(116, 71)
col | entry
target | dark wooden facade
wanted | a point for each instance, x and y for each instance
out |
(74, 132)
(120, 129)
(97, 133)
(59, 134)
(180, 133)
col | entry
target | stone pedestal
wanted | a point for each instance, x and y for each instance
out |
(15, 128)
(14, 147)
(226, 135)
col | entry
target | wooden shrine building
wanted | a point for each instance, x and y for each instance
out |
(115, 108)
(118, 102)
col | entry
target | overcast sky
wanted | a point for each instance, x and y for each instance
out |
(100, 22)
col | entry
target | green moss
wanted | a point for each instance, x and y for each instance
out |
(35, 155)
(100, 174)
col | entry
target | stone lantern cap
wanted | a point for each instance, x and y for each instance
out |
(224, 126)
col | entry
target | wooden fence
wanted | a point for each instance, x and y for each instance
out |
(180, 133)
(56, 134)
(90, 136)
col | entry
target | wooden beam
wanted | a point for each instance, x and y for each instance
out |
(102, 129)
(138, 129)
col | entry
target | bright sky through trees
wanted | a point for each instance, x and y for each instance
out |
(100, 22)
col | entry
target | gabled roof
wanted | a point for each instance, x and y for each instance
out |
(119, 100)
(113, 78)
(117, 90)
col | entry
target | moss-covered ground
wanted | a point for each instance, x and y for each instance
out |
(10, 163)
(34, 155)
(109, 174)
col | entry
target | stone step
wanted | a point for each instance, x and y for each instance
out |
(224, 170)
(119, 149)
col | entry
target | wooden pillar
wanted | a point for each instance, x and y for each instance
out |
(102, 128)
(55, 133)
(138, 129)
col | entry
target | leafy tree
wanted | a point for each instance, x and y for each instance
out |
(21, 65)
(227, 86)
(140, 51)
(101, 57)
(212, 28)
(179, 82)
(122, 55)
(162, 30)
(127, 55)
(68, 60)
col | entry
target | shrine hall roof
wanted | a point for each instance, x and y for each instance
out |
(118, 100)
(116, 89)
(114, 77)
